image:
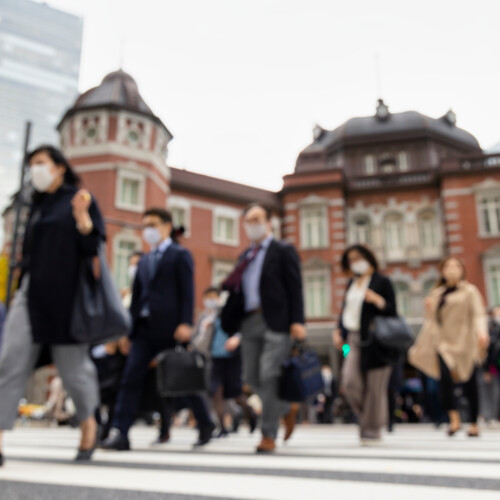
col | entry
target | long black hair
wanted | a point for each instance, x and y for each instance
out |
(367, 254)
(71, 178)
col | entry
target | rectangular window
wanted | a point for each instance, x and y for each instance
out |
(226, 228)
(490, 215)
(314, 225)
(317, 295)
(123, 249)
(130, 191)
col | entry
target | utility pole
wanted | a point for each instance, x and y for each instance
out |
(19, 202)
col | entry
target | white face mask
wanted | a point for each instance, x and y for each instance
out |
(211, 303)
(42, 177)
(360, 267)
(256, 232)
(151, 236)
(132, 271)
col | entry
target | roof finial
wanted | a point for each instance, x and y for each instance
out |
(382, 112)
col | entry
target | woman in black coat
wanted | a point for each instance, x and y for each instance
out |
(367, 368)
(64, 227)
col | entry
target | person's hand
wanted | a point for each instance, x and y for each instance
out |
(337, 339)
(81, 204)
(483, 339)
(232, 343)
(124, 345)
(298, 331)
(487, 377)
(183, 333)
(374, 298)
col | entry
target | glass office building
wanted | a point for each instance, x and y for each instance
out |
(39, 68)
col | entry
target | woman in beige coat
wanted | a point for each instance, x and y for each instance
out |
(453, 338)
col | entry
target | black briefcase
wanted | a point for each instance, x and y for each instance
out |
(301, 377)
(181, 372)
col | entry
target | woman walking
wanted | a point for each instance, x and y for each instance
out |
(452, 341)
(64, 227)
(367, 368)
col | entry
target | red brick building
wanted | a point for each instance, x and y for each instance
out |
(412, 187)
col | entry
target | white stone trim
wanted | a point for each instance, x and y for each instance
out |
(113, 148)
(448, 193)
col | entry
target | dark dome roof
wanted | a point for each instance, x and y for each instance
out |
(372, 128)
(117, 88)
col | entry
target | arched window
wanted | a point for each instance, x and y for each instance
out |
(402, 291)
(429, 286)
(361, 231)
(428, 232)
(394, 236)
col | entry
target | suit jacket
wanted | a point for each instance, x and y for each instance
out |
(169, 294)
(280, 291)
(373, 355)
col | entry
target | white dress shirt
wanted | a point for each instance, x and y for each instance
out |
(355, 297)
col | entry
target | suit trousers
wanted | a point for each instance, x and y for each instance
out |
(263, 352)
(142, 352)
(19, 356)
(366, 392)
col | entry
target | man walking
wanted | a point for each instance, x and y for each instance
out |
(162, 313)
(266, 306)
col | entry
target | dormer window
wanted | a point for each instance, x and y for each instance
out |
(370, 168)
(387, 163)
(403, 161)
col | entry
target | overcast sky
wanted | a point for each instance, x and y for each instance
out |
(240, 84)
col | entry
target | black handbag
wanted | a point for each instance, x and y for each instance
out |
(181, 372)
(301, 377)
(392, 332)
(98, 312)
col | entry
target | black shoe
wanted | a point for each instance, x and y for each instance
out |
(222, 433)
(116, 441)
(205, 435)
(161, 439)
(84, 455)
(1, 460)
(253, 423)
(236, 424)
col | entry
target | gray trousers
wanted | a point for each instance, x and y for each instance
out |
(263, 353)
(19, 356)
(366, 393)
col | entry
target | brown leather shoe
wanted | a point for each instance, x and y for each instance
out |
(267, 445)
(290, 420)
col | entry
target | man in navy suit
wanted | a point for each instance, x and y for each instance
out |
(162, 313)
(266, 306)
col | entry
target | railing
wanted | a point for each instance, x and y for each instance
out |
(392, 180)
(471, 163)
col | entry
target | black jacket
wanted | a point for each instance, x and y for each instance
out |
(53, 250)
(280, 291)
(373, 355)
(169, 294)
